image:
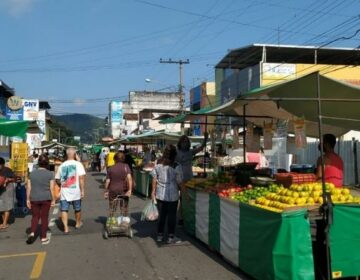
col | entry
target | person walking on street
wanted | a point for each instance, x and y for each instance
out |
(119, 182)
(6, 193)
(167, 180)
(71, 178)
(39, 198)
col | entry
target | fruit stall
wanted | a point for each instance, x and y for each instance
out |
(270, 227)
(309, 106)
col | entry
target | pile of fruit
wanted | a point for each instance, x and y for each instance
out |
(274, 197)
(214, 183)
(302, 195)
(252, 193)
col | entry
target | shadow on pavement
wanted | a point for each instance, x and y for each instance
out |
(97, 174)
(101, 220)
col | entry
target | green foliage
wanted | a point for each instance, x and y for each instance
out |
(88, 127)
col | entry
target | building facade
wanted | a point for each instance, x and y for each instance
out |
(138, 101)
(202, 96)
(259, 65)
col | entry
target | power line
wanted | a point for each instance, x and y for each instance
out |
(218, 19)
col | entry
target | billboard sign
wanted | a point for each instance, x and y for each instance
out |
(116, 112)
(31, 109)
(14, 109)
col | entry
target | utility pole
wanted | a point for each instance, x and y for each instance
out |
(181, 82)
(59, 135)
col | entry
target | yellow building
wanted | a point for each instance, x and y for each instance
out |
(258, 65)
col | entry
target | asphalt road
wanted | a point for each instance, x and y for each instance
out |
(84, 254)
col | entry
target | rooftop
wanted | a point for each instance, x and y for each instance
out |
(5, 90)
(251, 55)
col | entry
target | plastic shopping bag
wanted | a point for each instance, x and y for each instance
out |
(150, 212)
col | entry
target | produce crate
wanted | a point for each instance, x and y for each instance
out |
(287, 179)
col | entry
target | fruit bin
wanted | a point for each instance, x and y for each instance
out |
(142, 182)
(270, 245)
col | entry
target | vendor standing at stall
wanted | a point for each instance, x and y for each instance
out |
(334, 166)
(184, 157)
(6, 193)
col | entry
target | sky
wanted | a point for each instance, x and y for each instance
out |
(80, 54)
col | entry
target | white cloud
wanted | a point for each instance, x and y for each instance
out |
(17, 7)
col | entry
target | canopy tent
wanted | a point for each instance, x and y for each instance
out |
(327, 105)
(96, 148)
(55, 145)
(152, 137)
(12, 128)
(339, 103)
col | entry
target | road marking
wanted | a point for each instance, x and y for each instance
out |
(38, 264)
(56, 211)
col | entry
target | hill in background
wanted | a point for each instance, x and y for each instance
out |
(88, 127)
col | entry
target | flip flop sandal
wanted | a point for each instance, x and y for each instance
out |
(45, 241)
(31, 239)
(80, 226)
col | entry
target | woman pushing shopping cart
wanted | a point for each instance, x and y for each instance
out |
(118, 189)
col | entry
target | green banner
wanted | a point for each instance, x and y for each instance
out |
(214, 222)
(345, 241)
(188, 207)
(274, 245)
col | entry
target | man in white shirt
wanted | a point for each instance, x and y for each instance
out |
(71, 177)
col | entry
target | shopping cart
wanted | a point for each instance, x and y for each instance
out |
(118, 222)
(20, 206)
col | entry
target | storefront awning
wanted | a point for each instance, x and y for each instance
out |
(299, 98)
(13, 128)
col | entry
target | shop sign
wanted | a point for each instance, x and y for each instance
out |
(278, 70)
(41, 122)
(31, 109)
(14, 103)
(17, 115)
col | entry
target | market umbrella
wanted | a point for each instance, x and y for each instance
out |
(12, 128)
(299, 98)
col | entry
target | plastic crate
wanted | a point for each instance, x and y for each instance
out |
(287, 179)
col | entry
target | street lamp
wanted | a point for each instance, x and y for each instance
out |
(150, 81)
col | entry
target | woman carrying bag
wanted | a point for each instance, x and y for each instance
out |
(39, 198)
(167, 179)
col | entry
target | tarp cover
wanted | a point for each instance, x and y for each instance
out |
(345, 241)
(272, 101)
(13, 128)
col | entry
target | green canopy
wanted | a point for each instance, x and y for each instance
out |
(188, 116)
(299, 98)
(13, 128)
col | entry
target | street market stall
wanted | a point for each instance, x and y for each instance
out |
(56, 157)
(269, 235)
(157, 138)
